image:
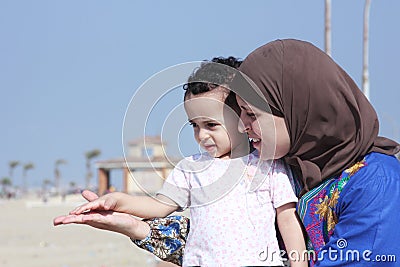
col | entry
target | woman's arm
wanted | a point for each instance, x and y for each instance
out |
(167, 238)
(292, 235)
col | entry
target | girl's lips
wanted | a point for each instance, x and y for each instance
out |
(209, 147)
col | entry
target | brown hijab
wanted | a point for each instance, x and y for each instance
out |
(330, 122)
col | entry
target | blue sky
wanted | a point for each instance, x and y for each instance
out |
(68, 69)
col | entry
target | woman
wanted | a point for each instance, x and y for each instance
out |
(350, 196)
(328, 135)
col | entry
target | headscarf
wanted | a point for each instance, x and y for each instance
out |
(331, 123)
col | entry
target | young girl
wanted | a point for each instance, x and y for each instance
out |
(234, 197)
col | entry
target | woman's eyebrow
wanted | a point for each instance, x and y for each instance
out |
(244, 107)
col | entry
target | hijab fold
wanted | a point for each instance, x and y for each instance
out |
(330, 122)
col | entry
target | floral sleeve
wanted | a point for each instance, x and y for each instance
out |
(167, 238)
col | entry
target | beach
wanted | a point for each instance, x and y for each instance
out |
(29, 239)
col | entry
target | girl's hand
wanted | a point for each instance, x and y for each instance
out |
(103, 203)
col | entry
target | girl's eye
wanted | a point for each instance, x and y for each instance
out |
(251, 115)
(212, 124)
(193, 124)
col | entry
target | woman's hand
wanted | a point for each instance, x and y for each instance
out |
(109, 220)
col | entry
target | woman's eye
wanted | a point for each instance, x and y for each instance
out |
(193, 124)
(211, 124)
(252, 115)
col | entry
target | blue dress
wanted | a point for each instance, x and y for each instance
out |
(351, 219)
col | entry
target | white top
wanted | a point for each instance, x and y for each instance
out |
(232, 208)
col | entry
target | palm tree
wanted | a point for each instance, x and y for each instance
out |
(89, 156)
(26, 168)
(5, 182)
(72, 187)
(45, 184)
(57, 173)
(365, 75)
(328, 27)
(12, 165)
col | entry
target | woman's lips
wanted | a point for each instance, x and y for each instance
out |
(256, 142)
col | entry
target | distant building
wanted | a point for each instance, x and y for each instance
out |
(144, 170)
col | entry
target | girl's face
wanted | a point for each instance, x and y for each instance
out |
(215, 124)
(267, 133)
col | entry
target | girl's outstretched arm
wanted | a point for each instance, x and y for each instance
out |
(140, 206)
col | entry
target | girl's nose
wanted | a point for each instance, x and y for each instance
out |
(203, 134)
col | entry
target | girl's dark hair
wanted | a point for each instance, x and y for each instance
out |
(210, 75)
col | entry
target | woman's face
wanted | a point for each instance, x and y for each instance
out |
(267, 133)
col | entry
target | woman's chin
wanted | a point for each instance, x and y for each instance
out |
(266, 154)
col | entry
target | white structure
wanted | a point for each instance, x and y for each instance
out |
(144, 170)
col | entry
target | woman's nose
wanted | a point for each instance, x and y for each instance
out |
(243, 125)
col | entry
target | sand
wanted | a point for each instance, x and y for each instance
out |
(29, 239)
